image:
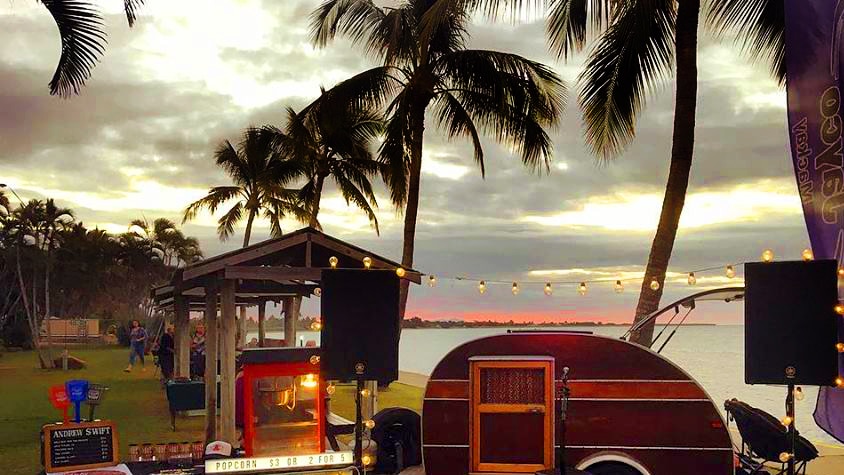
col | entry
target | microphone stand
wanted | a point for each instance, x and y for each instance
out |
(564, 402)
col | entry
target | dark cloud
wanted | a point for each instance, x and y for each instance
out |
(133, 117)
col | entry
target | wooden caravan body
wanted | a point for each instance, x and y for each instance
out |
(490, 407)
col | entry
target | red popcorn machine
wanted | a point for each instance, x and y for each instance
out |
(283, 402)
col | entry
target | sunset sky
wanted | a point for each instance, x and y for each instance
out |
(139, 139)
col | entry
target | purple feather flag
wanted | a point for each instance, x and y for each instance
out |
(815, 68)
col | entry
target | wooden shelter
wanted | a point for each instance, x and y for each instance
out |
(282, 270)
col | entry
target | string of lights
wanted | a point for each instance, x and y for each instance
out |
(582, 288)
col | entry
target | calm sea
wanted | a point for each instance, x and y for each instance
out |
(714, 355)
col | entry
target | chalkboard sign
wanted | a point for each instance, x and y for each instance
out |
(79, 446)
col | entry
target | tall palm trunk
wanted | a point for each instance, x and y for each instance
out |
(31, 316)
(47, 267)
(417, 125)
(248, 232)
(682, 151)
(320, 182)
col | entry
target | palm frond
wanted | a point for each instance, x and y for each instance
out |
(227, 223)
(760, 26)
(216, 196)
(569, 21)
(131, 8)
(366, 90)
(394, 153)
(227, 157)
(83, 43)
(632, 57)
(457, 122)
(353, 18)
(352, 194)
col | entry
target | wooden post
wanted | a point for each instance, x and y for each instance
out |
(241, 328)
(262, 315)
(210, 362)
(291, 317)
(228, 333)
(182, 340)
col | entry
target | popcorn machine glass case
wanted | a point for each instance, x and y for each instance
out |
(284, 404)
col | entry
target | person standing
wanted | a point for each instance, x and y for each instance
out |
(137, 342)
(198, 352)
(166, 353)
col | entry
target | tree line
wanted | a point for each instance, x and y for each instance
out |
(52, 265)
(428, 76)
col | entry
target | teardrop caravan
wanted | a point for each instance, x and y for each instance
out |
(492, 404)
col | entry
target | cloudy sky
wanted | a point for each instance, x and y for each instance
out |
(139, 141)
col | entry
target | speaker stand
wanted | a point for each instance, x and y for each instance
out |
(792, 432)
(359, 424)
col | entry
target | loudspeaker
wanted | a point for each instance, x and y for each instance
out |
(360, 324)
(790, 323)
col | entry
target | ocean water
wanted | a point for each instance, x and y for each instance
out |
(713, 355)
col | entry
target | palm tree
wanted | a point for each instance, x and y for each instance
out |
(53, 220)
(161, 235)
(259, 176)
(639, 42)
(83, 40)
(333, 140)
(468, 91)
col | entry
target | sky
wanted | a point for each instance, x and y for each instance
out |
(138, 142)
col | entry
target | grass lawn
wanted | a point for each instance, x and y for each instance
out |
(135, 402)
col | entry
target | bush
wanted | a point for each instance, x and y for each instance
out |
(16, 333)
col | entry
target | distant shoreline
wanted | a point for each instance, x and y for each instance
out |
(417, 324)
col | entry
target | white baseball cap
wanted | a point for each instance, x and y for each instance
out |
(218, 450)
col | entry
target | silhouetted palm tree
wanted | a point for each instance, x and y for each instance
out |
(469, 92)
(83, 40)
(336, 141)
(639, 42)
(259, 177)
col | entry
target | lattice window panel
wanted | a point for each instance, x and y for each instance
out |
(512, 386)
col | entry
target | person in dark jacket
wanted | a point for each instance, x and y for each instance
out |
(167, 353)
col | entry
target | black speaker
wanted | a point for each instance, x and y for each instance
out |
(360, 324)
(790, 323)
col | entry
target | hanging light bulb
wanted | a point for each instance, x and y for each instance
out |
(432, 281)
(581, 289)
(369, 424)
(619, 287)
(767, 255)
(399, 271)
(839, 382)
(839, 309)
(840, 272)
(365, 392)
(482, 287)
(808, 255)
(785, 457)
(366, 460)
(316, 326)
(786, 421)
(548, 289)
(367, 262)
(318, 292)
(692, 278)
(839, 347)
(332, 261)
(654, 285)
(314, 359)
(515, 288)
(798, 393)
(330, 389)
(731, 272)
